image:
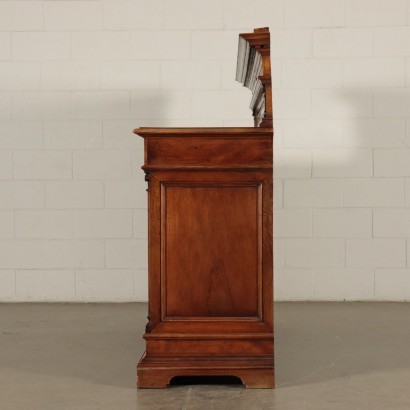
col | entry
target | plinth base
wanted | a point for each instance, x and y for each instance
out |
(255, 372)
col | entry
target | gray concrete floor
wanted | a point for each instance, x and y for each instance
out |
(82, 356)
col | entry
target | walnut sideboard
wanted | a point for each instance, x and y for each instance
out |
(210, 259)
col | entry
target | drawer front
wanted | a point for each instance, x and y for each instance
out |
(202, 151)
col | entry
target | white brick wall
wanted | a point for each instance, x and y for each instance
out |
(76, 76)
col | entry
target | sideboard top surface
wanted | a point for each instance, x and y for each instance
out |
(199, 131)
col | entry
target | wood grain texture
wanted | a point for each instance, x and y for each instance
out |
(223, 219)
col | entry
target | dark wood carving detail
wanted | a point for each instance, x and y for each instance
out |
(210, 259)
(253, 70)
(148, 327)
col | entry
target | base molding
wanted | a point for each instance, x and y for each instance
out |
(255, 372)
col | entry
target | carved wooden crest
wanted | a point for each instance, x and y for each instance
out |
(253, 71)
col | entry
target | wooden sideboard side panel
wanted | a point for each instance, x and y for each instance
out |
(210, 213)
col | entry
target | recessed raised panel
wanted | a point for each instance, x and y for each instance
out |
(211, 239)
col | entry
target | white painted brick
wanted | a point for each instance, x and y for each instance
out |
(342, 42)
(312, 193)
(41, 46)
(160, 45)
(293, 223)
(70, 75)
(311, 73)
(193, 14)
(133, 14)
(374, 72)
(220, 104)
(140, 223)
(6, 224)
(166, 105)
(235, 105)
(373, 192)
(73, 134)
(21, 195)
(126, 194)
(392, 162)
(407, 64)
(141, 285)
(378, 253)
(228, 73)
(5, 106)
(137, 162)
(44, 224)
(21, 15)
(100, 105)
(376, 12)
(391, 223)
(342, 223)
(72, 15)
(214, 45)
(408, 253)
(42, 165)
(7, 284)
(101, 45)
(21, 135)
(6, 165)
(102, 164)
(130, 75)
(279, 133)
(392, 284)
(279, 251)
(341, 103)
(292, 104)
(291, 43)
(350, 162)
(197, 122)
(312, 133)
(50, 285)
(176, 75)
(5, 46)
(207, 104)
(374, 132)
(107, 284)
(74, 194)
(314, 13)
(292, 163)
(42, 105)
(103, 223)
(316, 252)
(293, 284)
(49, 254)
(118, 135)
(169, 76)
(407, 192)
(391, 102)
(127, 253)
(243, 14)
(343, 284)
(276, 73)
(392, 41)
(277, 193)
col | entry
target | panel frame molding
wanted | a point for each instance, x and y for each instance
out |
(206, 183)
